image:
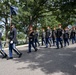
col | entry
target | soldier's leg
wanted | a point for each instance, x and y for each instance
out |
(16, 50)
(42, 41)
(61, 43)
(72, 40)
(64, 42)
(4, 55)
(53, 41)
(10, 50)
(35, 42)
(68, 41)
(29, 47)
(38, 42)
(57, 43)
(32, 43)
(49, 41)
(46, 42)
(75, 39)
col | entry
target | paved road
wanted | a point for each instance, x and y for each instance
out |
(48, 61)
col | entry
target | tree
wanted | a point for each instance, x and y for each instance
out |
(5, 12)
(30, 11)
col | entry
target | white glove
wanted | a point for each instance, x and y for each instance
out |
(11, 42)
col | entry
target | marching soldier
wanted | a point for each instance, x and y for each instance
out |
(12, 42)
(31, 40)
(43, 37)
(72, 35)
(54, 36)
(36, 37)
(48, 37)
(59, 37)
(4, 55)
(66, 37)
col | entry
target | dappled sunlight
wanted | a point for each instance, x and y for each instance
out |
(59, 73)
(65, 55)
(51, 61)
(47, 61)
(71, 46)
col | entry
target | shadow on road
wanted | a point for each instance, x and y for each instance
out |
(50, 60)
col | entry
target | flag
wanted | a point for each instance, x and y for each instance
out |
(13, 10)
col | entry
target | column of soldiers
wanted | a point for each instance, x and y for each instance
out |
(56, 37)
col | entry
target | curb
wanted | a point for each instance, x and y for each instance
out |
(18, 46)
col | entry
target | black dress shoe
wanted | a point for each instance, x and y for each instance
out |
(36, 50)
(4, 56)
(20, 55)
(9, 58)
(57, 48)
(50, 45)
(28, 52)
(61, 46)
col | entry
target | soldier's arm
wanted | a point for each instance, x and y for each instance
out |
(14, 33)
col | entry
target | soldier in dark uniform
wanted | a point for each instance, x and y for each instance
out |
(43, 37)
(13, 42)
(4, 55)
(66, 37)
(31, 40)
(54, 36)
(59, 37)
(48, 37)
(72, 35)
(36, 37)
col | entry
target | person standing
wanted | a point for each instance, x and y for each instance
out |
(12, 42)
(31, 40)
(4, 55)
(59, 36)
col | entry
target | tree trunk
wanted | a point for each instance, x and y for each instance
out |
(6, 32)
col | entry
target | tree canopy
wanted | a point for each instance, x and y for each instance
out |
(31, 12)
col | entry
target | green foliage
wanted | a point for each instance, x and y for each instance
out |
(49, 21)
(3, 38)
(47, 12)
(21, 35)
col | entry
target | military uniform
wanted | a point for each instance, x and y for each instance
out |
(36, 37)
(53, 37)
(48, 37)
(31, 41)
(43, 37)
(4, 55)
(72, 36)
(66, 37)
(12, 43)
(59, 37)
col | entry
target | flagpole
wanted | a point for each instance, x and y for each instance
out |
(10, 20)
(10, 16)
